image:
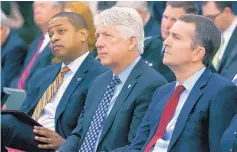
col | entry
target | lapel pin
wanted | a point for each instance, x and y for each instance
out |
(150, 64)
(78, 79)
(129, 85)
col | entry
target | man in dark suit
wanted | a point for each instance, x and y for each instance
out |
(224, 18)
(39, 54)
(230, 69)
(153, 57)
(13, 52)
(118, 99)
(192, 113)
(57, 93)
(154, 49)
(229, 141)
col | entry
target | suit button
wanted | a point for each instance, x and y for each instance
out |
(230, 150)
(235, 133)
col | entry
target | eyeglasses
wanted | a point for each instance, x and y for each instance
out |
(213, 17)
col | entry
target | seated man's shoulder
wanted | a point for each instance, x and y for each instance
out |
(220, 82)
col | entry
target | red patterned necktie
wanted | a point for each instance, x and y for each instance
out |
(24, 76)
(166, 116)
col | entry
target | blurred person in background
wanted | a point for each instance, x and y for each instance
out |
(230, 69)
(154, 49)
(151, 26)
(39, 53)
(222, 15)
(13, 51)
(82, 9)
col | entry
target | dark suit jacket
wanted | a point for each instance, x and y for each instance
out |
(152, 28)
(72, 101)
(13, 55)
(126, 114)
(43, 60)
(202, 121)
(229, 139)
(230, 69)
(153, 55)
(231, 44)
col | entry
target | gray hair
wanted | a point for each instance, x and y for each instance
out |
(128, 21)
(137, 5)
(206, 34)
(190, 7)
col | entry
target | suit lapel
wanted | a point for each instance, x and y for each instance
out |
(47, 80)
(126, 90)
(193, 97)
(229, 48)
(76, 80)
(156, 115)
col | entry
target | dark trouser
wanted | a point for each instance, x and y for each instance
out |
(18, 135)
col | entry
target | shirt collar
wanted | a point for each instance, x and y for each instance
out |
(46, 37)
(190, 82)
(123, 75)
(74, 65)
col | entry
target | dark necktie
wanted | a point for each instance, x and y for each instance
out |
(166, 116)
(93, 132)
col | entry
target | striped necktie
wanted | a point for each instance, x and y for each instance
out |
(49, 93)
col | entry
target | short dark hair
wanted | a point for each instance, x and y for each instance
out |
(206, 34)
(75, 19)
(190, 7)
(221, 5)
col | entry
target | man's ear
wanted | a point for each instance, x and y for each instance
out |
(84, 34)
(199, 53)
(132, 43)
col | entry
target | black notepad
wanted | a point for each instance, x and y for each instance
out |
(22, 117)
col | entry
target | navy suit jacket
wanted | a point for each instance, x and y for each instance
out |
(43, 60)
(229, 48)
(230, 69)
(126, 114)
(72, 101)
(229, 139)
(202, 121)
(13, 55)
(152, 28)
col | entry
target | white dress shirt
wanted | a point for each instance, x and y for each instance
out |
(47, 116)
(235, 78)
(227, 35)
(45, 42)
(123, 77)
(163, 143)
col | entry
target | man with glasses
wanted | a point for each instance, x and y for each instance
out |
(222, 15)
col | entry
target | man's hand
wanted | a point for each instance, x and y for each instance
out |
(51, 139)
